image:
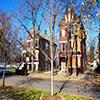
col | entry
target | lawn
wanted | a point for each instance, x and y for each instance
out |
(12, 69)
(24, 93)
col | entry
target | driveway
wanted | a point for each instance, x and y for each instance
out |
(66, 87)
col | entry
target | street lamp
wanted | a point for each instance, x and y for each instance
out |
(98, 14)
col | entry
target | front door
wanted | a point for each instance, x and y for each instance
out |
(62, 65)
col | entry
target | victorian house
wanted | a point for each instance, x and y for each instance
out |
(41, 55)
(72, 43)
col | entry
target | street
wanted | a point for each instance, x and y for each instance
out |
(65, 87)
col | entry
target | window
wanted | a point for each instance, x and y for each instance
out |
(46, 58)
(36, 43)
(66, 18)
(46, 46)
(27, 58)
(69, 17)
(73, 61)
(78, 45)
(79, 61)
(72, 41)
(63, 47)
(63, 32)
(28, 44)
(74, 46)
(36, 56)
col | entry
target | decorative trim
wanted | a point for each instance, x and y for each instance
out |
(63, 41)
(29, 40)
(36, 62)
(77, 55)
(36, 51)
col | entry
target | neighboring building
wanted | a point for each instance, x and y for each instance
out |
(71, 30)
(41, 53)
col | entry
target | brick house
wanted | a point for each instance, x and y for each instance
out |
(42, 50)
(71, 31)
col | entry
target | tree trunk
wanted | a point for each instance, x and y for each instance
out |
(33, 41)
(3, 84)
(99, 42)
(76, 57)
(68, 58)
(51, 48)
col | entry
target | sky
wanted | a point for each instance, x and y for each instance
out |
(7, 5)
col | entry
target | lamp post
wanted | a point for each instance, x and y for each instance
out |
(98, 14)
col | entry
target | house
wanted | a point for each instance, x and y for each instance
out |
(41, 42)
(72, 43)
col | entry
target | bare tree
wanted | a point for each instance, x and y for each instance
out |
(52, 13)
(6, 45)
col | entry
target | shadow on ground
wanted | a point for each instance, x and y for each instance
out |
(7, 74)
(98, 69)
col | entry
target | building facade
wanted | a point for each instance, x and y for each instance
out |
(40, 60)
(72, 43)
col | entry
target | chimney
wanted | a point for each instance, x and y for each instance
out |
(39, 27)
(45, 31)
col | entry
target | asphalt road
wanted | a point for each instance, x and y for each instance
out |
(66, 87)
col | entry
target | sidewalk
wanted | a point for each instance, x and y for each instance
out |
(57, 77)
(89, 77)
(5, 98)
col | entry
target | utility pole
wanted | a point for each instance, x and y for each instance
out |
(51, 47)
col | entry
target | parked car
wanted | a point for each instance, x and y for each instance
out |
(2, 69)
(22, 69)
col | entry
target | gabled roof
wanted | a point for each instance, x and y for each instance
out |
(42, 35)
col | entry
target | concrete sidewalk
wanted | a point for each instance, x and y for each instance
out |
(5, 98)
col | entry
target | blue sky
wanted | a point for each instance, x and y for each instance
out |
(7, 5)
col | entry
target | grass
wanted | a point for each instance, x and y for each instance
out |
(24, 93)
(70, 97)
(12, 69)
(20, 93)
